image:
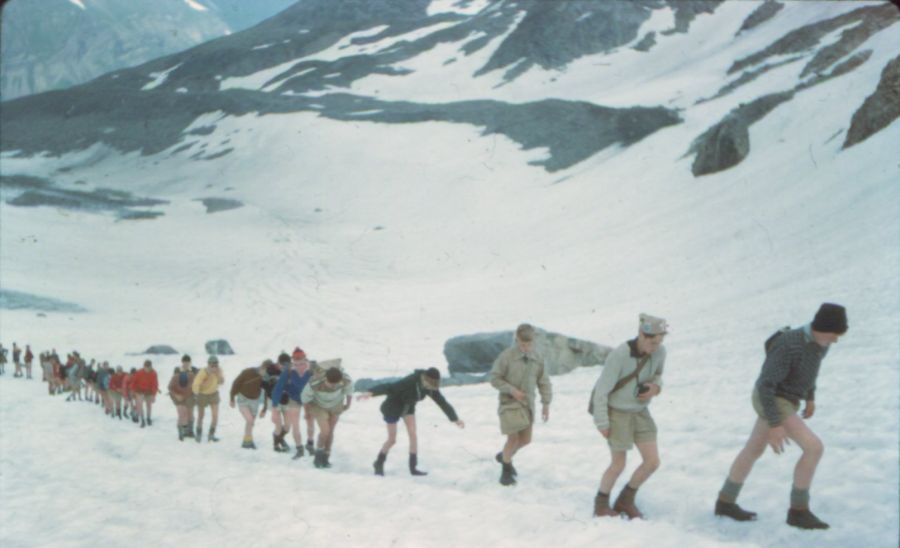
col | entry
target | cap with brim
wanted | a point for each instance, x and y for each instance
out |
(213, 360)
(652, 325)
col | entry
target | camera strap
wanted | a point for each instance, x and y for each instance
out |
(627, 378)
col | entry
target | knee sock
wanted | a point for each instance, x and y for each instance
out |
(799, 498)
(730, 491)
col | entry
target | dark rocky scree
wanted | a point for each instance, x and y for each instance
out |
(17, 300)
(160, 349)
(27, 191)
(218, 347)
(879, 109)
(215, 205)
(760, 15)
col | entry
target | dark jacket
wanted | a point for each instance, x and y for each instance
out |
(403, 395)
(790, 371)
(290, 383)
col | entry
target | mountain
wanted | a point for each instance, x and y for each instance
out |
(367, 180)
(54, 44)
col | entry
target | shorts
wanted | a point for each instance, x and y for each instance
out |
(627, 428)
(141, 397)
(321, 413)
(515, 419)
(280, 408)
(116, 396)
(786, 407)
(291, 404)
(253, 405)
(204, 400)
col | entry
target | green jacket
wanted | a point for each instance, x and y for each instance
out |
(514, 369)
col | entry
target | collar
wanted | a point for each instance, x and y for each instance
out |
(632, 346)
(807, 333)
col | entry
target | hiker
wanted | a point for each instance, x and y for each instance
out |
(788, 375)
(516, 373)
(103, 376)
(17, 360)
(279, 406)
(400, 402)
(292, 382)
(182, 394)
(145, 386)
(631, 378)
(2, 360)
(29, 357)
(129, 409)
(247, 388)
(206, 392)
(73, 378)
(328, 393)
(115, 391)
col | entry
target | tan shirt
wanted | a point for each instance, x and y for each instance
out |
(514, 369)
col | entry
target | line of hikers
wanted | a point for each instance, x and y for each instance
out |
(619, 405)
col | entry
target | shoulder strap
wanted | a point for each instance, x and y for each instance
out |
(637, 371)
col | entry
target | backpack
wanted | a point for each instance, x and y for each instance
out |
(770, 342)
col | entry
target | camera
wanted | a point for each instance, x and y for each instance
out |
(641, 388)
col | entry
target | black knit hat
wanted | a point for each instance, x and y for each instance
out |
(831, 318)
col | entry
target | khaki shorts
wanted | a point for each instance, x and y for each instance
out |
(116, 396)
(206, 399)
(514, 419)
(786, 407)
(321, 413)
(252, 405)
(627, 428)
(291, 404)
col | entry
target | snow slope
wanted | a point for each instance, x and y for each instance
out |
(377, 242)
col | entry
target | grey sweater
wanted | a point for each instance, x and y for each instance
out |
(790, 371)
(620, 363)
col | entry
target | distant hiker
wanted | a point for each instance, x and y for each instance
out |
(2, 360)
(206, 392)
(129, 399)
(279, 406)
(182, 394)
(328, 393)
(788, 375)
(292, 381)
(29, 357)
(103, 376)
(115, 390)
(631, 377)
(516, 373)
(84, 376)
(248, 390)
(400, 402)
(73, 378)
(145, 386)
(17, 360)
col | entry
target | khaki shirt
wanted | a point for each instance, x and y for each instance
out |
(514, 369)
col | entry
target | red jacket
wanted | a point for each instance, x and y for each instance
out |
(145, 381)
(115, 382)
(127, 384)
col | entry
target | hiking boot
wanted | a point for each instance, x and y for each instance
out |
(499, 458)
(198, 435)
(212, 435)
(319, 460)
(804, 519)
(379, 464)
(248, 444)
(625, 503)
(733, 511)
(119, 415)
(310, 447)
(189, 430)
(413, 463)
(134, 418)
(325, 462)
(283, 444)
(601, 506)
(149, 421)
(180, 433)
(275, 445)
(143, 422)
(506, 476)
(299, 453)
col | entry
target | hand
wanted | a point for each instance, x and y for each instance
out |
(777, 439)
(545, 413)
(810, 409)
(517, 394)
(461, 424)
(364, 396)
(654, 390)
(604, 432)
(232, 404)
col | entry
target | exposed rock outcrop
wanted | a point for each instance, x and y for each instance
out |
(880, 109)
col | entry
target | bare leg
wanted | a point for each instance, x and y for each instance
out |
(753, 449)
(215, 415)
(391, 439)
(410, 422)
(292, 417)
(650, 463)
(323, 423)
(332, 425)
(310, 423)
(615, 468)
(812, 450)
(248, 422)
